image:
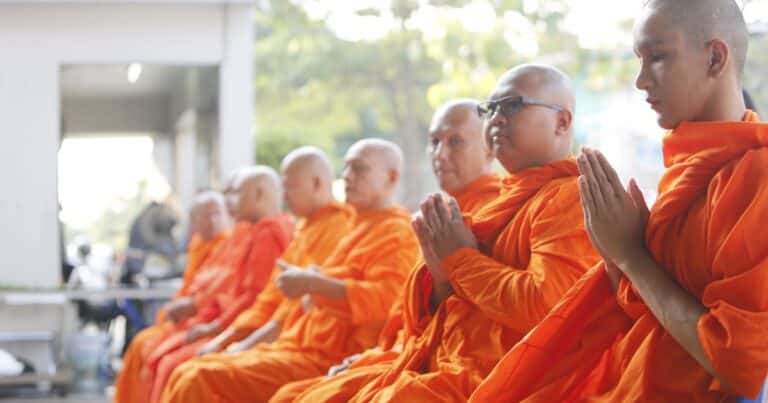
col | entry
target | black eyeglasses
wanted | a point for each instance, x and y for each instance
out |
(508, 106)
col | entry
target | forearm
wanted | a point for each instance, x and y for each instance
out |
(328, 287)
(674, 307)
(265, 334)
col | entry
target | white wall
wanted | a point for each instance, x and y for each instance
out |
(35, 39)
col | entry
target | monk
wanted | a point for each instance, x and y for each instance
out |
(462, 162)
(488, 280)
(307, 179)
(678, 311)
(349, 294)
(209, 224)
(209, 219)
(237, 273)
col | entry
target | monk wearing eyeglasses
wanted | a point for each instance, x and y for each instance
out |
(489, 278)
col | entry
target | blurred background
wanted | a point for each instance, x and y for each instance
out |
(114, 113)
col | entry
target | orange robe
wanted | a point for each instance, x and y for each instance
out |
(375, 361)
(372, 261)
(533, 246)
(705, 230)
(197, 252)
(314, 241)
(202, 254)
(227, 285)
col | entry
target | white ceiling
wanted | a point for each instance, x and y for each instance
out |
(111, 80)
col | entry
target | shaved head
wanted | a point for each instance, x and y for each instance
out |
(205, 198)
(387, 152)
(457, 147)
(310, 158)
(259, 192)
(228, 190)
(703, 20)
(532, 124)
(372, 170)
(544, 82)
(692, 55)
(307, 178)
(208, 215)
(456, 112)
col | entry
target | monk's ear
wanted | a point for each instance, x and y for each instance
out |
(719, 55)
(316, 183)
(394, 176)
(564, 122)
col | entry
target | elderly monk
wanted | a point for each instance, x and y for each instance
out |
(488, 280)
(231, 280)
(678, 312)
(307, 179)
(209, 219)
(349, 295)
(462, 163)
(209, 224)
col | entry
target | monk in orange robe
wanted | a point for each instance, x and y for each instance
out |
(208, 228)
(210, 223)
(462, 162)
(237, 273)
(488, 280)
(307, 178)
(677, 312)
(349, 295)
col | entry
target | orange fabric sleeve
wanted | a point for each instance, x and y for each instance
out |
(520, 297)
(734, 333)
(261, 311)
(371, 297)
(259, 265)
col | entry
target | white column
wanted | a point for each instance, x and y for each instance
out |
(29, 101)
(185, 152)
(236, 98)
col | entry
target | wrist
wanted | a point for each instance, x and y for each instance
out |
(631, 260)
(311, 285)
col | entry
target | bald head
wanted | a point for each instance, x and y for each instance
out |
(543, 82)
(456, 112)
(703, 20)
(372, 169)
(259, 191)
(531, 123)
(309, 158)
(457, 147)
(692, 55)
(208, 215)
(307, 178)
(228, 190)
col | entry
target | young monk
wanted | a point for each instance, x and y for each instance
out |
(678, 310)
(520, 252)
(462, 163)
(238, 272)
(307, 179)
(210, 221)
(349, 295)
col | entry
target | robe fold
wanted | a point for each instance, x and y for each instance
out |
(704, 230)
(376, 360)
(372, 261)
(533, 246)
(237, 272)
